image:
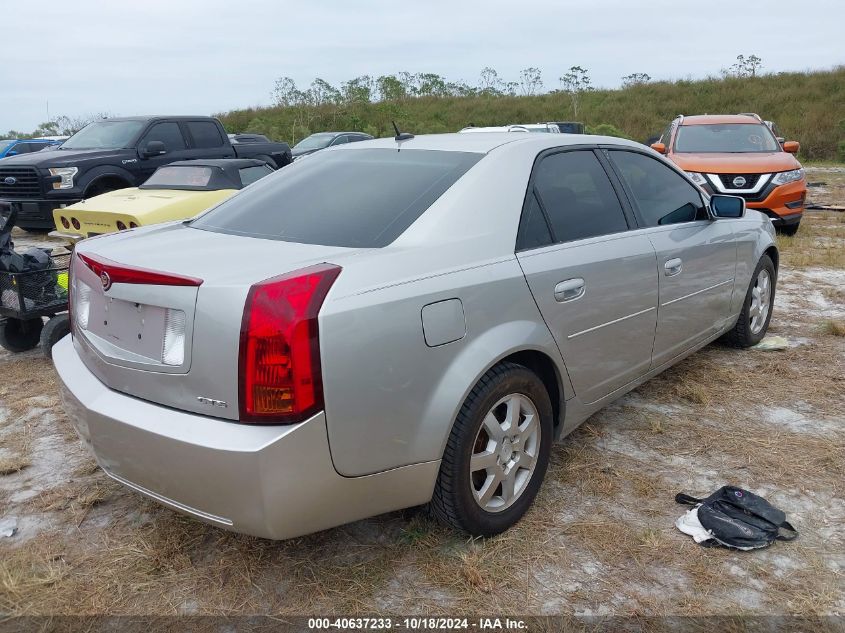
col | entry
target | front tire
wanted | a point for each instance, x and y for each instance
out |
(497, 453)
(756, 312)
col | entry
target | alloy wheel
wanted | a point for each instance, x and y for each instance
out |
(505, 452)
(761, 299)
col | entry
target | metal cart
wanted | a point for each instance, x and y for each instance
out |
(27, 297)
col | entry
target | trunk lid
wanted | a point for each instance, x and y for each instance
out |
(175, 339)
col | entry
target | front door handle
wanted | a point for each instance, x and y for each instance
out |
(673, 267)
(570, 290)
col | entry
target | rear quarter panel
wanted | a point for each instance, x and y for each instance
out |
(391, 399)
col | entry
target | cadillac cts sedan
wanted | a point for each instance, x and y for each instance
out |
(399, 322)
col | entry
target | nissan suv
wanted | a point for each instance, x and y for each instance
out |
(738, 154)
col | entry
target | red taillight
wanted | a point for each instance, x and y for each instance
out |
(65, 223)
(132, 225)
(75, 223)
(121, 226)
(279, 364)
(113, 273)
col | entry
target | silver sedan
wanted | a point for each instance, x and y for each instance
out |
(400, 322)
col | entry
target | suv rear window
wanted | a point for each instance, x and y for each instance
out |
(352, 198)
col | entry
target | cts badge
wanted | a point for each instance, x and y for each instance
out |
(212, 402)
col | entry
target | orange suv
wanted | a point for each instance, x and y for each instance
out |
(738, 154)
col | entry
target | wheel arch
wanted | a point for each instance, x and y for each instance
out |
(537, 352)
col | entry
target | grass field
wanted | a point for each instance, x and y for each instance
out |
(808, 107)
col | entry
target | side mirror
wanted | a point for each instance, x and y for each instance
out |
(660, 148)
(154, 148)
(791, 146)
(727, 206)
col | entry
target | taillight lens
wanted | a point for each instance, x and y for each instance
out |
(121, 226)
(65, 222)
(133, 225)
(279, 364)
(75, 223)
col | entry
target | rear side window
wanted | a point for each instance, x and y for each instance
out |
(533, 229)
(577, 197)
(250, 174)
(357, 198)
(205, 134)
(661, 195)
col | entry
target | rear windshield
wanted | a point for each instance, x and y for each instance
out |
(727, 138)
(363, 198)
(184, 177)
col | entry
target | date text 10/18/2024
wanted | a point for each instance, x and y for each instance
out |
(417, 624)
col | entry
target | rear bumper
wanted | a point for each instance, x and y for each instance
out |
(37, 214)
(274, 482)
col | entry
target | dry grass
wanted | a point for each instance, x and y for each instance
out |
(818, 243)
(834, 328)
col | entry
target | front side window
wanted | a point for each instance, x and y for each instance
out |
(662, 196)
(576, 196)
(167, 132)
(206, 134)
(359, 199)
(731, 138)
(105, 135)
(5, 144)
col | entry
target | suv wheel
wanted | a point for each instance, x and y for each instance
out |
(497, 453)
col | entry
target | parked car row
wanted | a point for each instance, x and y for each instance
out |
(113, 154)
(393, 322)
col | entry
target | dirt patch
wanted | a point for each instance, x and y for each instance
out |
(599, 541)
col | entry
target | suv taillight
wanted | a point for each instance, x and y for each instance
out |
(279, 364)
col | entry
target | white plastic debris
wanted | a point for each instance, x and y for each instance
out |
(8, 526)
(771, 343)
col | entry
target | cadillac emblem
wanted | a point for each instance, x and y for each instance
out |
(104, 277)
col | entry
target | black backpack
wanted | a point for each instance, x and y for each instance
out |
(738, 518)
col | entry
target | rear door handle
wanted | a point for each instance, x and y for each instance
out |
(570, 290)
(673, 267)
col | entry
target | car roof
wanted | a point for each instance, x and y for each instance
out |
(717, 119)
(484, 142)
(153, 117)
(222, 163)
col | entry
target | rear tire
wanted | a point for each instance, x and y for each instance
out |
(753, 321)
(497, 453)
(55, 330)
(790, 229)
(17, 335)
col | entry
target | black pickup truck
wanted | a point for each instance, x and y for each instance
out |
(115, 153)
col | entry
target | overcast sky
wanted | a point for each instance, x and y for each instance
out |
(205, 56)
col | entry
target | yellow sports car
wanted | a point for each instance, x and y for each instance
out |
(176, 191)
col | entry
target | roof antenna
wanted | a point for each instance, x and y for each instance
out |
(401, 136)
